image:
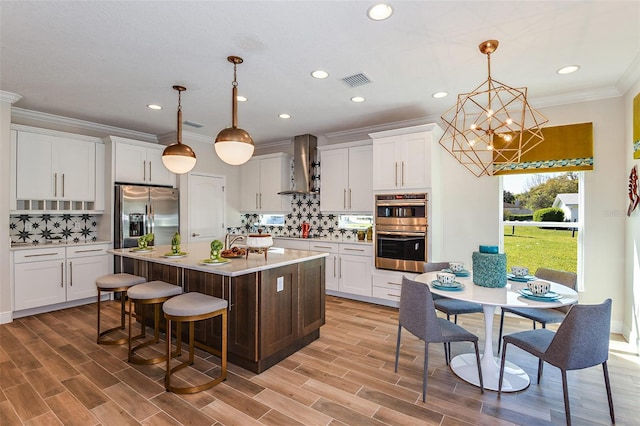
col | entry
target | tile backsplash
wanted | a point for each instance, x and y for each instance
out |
(36, 228)
(304, 208)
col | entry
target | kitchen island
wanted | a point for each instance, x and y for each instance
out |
(276, 305)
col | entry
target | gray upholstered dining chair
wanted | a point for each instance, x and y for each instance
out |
(582, 341)
(548, 315)
(450, 306)
(418, 316)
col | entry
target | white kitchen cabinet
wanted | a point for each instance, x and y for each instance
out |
(140, 162)
(291, 243)
(263, 177)
(355, 265)
(54, 168)
(39, 278)
(50, 276)
(346, 179)
(84, 265)
(332, 271)
(402, 158)
(387, 284)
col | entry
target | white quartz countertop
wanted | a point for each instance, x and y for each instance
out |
(54, 244)
(198, 252)
(341, 240)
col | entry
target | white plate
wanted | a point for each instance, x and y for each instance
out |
(210, 262)
(138, 250)
(550, 296)
(456, 287)
(175, 256)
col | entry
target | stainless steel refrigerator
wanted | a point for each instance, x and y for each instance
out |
(140, 210)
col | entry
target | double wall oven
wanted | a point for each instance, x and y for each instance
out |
(401, 231)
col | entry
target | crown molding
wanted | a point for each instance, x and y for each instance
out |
(630, 76)
(73, 125)
(362, 133)
(575, 98)
(9, 97)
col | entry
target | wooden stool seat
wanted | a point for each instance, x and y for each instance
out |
(152, 293)
(118, 283)
(192, 307)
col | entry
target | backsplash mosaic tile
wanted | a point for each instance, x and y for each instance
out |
(304, 208)
(38, 228)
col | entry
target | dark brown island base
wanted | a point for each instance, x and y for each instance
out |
(276, 305)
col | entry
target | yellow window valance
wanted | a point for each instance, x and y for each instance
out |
(566, 148)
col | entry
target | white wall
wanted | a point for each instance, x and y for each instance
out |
(631, 315)
(5, 144)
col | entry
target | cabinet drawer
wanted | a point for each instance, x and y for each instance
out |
(357, 249)
(324, 247)
(89, 250)
(39, 254)
(386, 293)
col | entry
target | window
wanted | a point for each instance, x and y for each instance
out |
(534, 239)
(354, 221)
(271, 220)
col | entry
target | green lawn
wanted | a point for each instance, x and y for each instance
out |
(534, 247)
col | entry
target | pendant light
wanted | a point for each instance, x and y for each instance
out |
(178, 157)
(233, 145)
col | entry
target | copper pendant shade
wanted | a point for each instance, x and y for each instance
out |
(234, 145)
(490, 128)
(178, 157)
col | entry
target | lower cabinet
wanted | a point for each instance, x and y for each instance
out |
(387, 284)
(348, 267)
(47, 276)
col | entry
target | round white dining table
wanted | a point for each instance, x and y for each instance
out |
(464, 366)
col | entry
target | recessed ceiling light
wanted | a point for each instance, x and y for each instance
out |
(568, 69)
(439, 95)
(379, 12)
(320, 74)
(154, 106)
(241, 98)
(285, 116)
(357, 99)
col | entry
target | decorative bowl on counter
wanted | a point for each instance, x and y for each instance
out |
(259, 243)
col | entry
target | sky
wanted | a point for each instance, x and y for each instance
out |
(519, 184)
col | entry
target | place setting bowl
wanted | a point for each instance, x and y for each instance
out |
(520, 274)
(446, 281)
(540, 290)
(457, 268)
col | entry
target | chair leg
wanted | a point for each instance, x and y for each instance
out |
(500, 332)
(608, 386)
(398, 347)
(447, 356)
(424, 372)
(540, 367)
(534, 325)
(455, 319)
(475, 344)
(501, 376)
(565, 391)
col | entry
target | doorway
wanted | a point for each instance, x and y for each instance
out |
(206, 207)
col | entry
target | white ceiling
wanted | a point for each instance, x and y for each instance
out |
(104, 61)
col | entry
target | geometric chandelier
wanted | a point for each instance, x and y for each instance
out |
(491, 127)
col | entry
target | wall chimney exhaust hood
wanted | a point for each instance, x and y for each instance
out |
(304, 160)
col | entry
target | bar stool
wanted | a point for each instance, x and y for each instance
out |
(152, 293)
(191, 307)
(117, 283)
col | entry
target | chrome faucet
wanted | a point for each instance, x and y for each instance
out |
(230, 239)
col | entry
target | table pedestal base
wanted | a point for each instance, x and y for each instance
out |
(515, 378)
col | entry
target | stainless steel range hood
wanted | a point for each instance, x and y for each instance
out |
(304, 159)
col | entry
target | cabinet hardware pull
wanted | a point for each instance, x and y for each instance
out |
(87, 251)
(403, 173)
(63, 185)
(144, 169)
(392, 295)
(55, 184)
(256, 200)
(324, 247)
(349, 198)
(352, 249)
(61, 274)
(334, 267)
(150, 178)
(389, 282)
(195, 235)
(344, 199)
(340, 268)
(71, 274)
(396, 174)
(261, 201)
(42, 254)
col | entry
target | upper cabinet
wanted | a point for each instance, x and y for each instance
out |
(262, 178)
(140, 162)
(402, 158)
(345, 178)
(54, 171)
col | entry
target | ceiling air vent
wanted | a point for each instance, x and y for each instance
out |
(356, 80)
(193, 124)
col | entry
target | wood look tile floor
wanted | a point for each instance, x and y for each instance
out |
(52, 372)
